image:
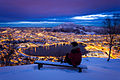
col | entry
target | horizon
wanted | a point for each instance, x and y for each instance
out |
(45, 13)
(86, 20)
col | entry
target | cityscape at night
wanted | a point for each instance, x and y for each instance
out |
(59, 39)
(39, 42)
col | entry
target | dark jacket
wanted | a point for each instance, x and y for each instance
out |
(75, 56)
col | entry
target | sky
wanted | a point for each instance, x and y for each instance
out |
(53, 12)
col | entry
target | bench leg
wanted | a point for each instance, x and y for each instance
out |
(39, 66)
(80, 69)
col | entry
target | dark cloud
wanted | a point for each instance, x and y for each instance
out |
(15, 10)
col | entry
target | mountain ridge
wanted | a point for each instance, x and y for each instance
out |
(76, 28)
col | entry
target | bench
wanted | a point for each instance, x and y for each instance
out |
(41, 63)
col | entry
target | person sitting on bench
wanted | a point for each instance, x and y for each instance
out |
(74, 57)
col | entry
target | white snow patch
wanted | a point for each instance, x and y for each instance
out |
(98, 69)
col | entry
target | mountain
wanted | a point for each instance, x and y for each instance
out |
(78, 29)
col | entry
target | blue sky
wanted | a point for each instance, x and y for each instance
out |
(86, 20)
(49, 13)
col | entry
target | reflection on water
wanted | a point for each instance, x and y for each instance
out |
(58, 50)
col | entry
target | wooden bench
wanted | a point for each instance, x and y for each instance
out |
(41, 63)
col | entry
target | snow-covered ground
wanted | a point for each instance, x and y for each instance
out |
(98, 69)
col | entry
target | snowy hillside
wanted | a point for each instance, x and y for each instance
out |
(98, 69)
(78, 29)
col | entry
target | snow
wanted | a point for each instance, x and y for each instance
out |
(72, 27)
(90, 33)
(98, 69)
(59, 63)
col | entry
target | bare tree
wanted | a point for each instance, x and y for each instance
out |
(112, 29)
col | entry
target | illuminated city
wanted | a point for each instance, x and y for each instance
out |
(29, 39)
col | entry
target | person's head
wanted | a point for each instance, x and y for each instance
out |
(74, 44)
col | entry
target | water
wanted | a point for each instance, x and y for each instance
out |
(59, 50)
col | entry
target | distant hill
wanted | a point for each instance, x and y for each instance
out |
(78, 29)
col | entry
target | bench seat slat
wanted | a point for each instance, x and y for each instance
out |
(59, 64)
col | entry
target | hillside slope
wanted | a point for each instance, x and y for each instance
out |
(98, 69)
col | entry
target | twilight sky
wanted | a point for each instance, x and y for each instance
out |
(39, 10)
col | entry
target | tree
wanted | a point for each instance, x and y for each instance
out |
(112, 29)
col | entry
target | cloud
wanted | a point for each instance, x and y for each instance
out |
(28, 22)
(91, 17)
(18, 10)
